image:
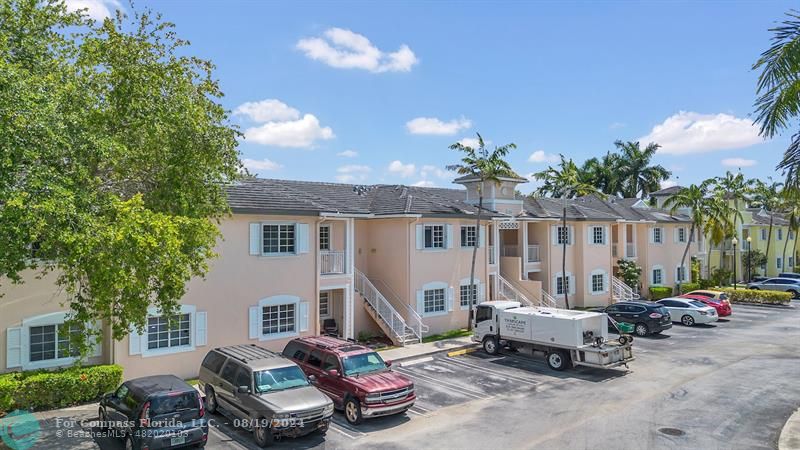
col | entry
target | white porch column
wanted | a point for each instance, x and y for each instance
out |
(348, 326)
(349, 244)
(624, 240)
(524, 226)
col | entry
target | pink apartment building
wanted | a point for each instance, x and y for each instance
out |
(304, 258)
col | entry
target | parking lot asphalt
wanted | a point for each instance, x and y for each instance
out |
(732, 384)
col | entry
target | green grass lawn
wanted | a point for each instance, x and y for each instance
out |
(447, 335)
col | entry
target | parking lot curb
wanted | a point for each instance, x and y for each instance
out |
(790, 435)
(765, 305)
(470, 347)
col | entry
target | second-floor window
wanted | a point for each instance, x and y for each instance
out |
(469, 236)
(279, 238)
(658, 236)
(682, 235)
(598, 235)
(434, 236)
(763, 234)
(434, 301)
(325, 237)
(563, 235)
(780, 234)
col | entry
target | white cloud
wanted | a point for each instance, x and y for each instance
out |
(690, 132)
(433, 171)
(617, 125)
(352, 173)
(257, 165)
(473, 142)
(539, 156)
(404, 170)
(424, 183)
(739, 162)
(668, 183)
(269, 110)
(345, 49)
(348, 154)
(96, 9)
(432, 125)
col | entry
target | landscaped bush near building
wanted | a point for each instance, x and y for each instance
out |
(42, 389)
(757, 296)
(659, 292)
(689, 287)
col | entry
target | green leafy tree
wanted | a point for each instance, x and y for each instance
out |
(753, 261)
(564, 182)
(778, 91)
(639, 177)
(692, 198)
(791, 209)
(630, 273)
(484, 166)
(114, 153)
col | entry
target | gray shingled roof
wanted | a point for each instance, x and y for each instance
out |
(672, 190)
(761, 217)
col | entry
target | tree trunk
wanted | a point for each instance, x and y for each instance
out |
(474, 255)
(769, 244)
(783, 256)
(683, 259)
(564, 279)
(794, 250)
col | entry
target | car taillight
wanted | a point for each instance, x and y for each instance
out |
(202, 408)
(705, 313)
(144, 418)
(656, 315)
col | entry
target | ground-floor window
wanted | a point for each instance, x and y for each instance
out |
(168, 332)
(324, 304)
(658, 276)
(434, 301)
(278, 319)
(469, 295)
(562, 285)
(51, 342)
(598, 283)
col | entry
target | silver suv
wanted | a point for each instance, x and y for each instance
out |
(264, 392)
(790, 285)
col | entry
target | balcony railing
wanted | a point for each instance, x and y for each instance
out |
(614, 251)
(510, 250)
(630, 250)
(491, 254)
(533, 253)
(331, 262)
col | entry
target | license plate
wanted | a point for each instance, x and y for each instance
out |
(177, 440)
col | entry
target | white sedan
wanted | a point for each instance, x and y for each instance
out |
(689, 312)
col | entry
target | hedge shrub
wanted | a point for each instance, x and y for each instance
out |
(659, 292)
(40, 389)
(756, 296)
(689, 287)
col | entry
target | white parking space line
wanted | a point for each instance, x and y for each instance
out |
(345, 428)
(512, 377)
(415, 361)
(458, 389)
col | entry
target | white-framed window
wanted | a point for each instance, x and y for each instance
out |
(658, 235)
(324, 304)
(278, 317)
(434, 236)
(169, 332)
(657, 276)
(278, 238)
(562, 235)
(51, 342)
(325, 237)
(598, 280)
(435, 298)
(779, 263)
(469, 236)
(763, 234)
(780, 234)
(682, 235)
(435, 301)
(598, 235)
(468, 295)
(563, 284)
(680, 274)
(42, 342)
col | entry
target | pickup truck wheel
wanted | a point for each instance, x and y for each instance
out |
(641, 329)
(687, 320)
(352, 411)
(211, 400)
(262, 433)
(557, 360)
(490, 345)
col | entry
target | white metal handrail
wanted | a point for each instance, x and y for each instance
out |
(509, 292)
(413, 319)
(383, 308)
(548, 300)
(533, 253)
(331, 262)
(621, 291)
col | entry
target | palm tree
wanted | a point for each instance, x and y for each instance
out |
(719, 218)
(777, 102)
(693, 198)
(736, 188)
(767, 197)
(638, 176)
(603, 173)
(564, 182)
(486, 167)
(791, 207)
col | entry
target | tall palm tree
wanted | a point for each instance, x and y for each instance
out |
(777, 102)
(693, 198)
(638, 176)
(604, 173)
(736, 188)
(791, 208)
(486, 167)
(564, 182)
(767, 197)
(719, 221)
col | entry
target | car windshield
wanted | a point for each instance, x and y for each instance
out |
(280, 379)
(698, 304)
(363, 363)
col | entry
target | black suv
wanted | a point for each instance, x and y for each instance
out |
(159, 411)
(646, 317)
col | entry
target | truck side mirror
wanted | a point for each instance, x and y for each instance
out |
(388, 363)
(243, 390)
(333, 372)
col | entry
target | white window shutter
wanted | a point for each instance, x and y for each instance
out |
(589, 235)
(420, 237)
(450, 295)
(135, 342)
(97, 345)
(651, 233)
(589, 289)
(554, 234)
(200, 328)
(255, 239)
(481, 292)
(482, 236)
(303, 316)
(420, 302)
(253, 321)
(571, 235)
(572, 284)
(605, 235)
(675, 235)
(605, 282)
(449, 236)
(13, 347)
(301, 237)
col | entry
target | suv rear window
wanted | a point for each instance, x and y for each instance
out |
(172, 403)
(295, 350)
(213, 361)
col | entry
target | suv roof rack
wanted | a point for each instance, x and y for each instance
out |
(247, 352)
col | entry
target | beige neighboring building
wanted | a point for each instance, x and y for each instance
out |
(304, 258)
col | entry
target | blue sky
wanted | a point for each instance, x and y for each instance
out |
(311, 81)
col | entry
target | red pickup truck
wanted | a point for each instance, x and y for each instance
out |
(355, 377)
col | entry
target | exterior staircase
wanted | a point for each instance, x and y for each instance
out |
(507, 291)
(400, 330)
(621, 292)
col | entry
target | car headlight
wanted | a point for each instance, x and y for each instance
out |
(328, 410)
(281, 416)
(373, 398)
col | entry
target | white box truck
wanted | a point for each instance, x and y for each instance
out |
(566, 337)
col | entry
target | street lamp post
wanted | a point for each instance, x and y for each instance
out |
(749, 259)
(734, 241)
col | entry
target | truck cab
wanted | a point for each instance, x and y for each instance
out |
(486, 318)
